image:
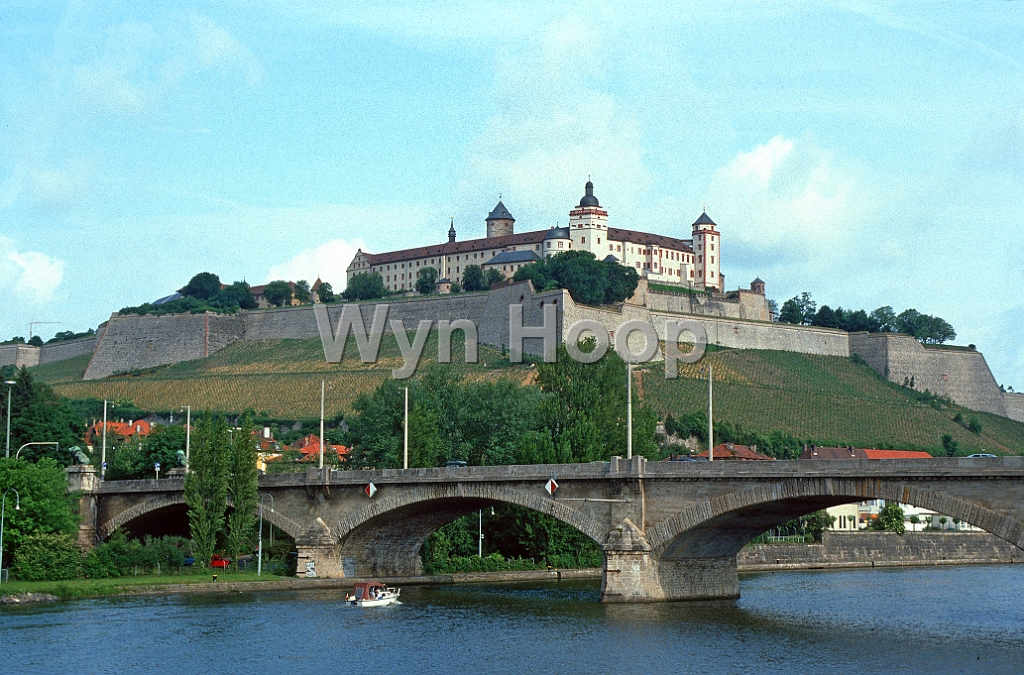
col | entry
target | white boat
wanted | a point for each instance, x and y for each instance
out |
(372, 594)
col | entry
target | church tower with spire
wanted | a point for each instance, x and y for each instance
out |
(588, 223)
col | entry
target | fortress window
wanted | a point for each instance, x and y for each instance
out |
(583, 240)
(559, 244)
(691, 274)
(700, 258)
(599, 240)
(549, 244)
(712, 259)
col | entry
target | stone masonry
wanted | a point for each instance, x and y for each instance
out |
(668, 530)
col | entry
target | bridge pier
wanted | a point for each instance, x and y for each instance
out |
(319, 556)
(83, 479)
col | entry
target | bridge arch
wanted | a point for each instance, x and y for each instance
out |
(722, 526)
(385, 537)
(168, 500)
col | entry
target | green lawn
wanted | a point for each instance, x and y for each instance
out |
(90, 588)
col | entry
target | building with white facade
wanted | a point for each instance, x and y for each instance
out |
(693, 262)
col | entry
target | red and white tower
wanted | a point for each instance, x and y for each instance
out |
(588, 224)
(708, 252)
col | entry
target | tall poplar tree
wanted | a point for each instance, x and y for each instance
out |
(243, 487)
(206, 485)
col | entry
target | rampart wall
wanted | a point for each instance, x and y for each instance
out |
(961, 374)
(1014, 406)
(19, 355)
(127, 343)
(746, 305)
(881, 549)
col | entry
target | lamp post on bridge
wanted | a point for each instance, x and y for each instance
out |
(37, 443)
(259, 546)
(3, 511)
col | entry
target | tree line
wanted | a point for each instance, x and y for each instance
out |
(803, 310)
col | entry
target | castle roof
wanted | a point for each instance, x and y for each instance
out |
(520, 239)
(557, 233)
(758, 280)
(500, 213)
(506, 257)
(704, 220)
(589, 199)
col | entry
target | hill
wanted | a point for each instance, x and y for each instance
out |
(278, 377)
(819, 399)
(825, 400)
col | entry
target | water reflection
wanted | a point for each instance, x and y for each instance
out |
(940, 620)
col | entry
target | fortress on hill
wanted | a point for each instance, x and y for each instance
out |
(679, 279)
(692, 263)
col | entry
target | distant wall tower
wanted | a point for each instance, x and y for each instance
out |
(500, 222)
(708, 251)
(588, 224)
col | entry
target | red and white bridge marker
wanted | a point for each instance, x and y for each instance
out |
(370, 490)
(551, 486)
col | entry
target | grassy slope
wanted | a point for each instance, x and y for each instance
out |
(279, 377)
(820, 399)
(825, 400)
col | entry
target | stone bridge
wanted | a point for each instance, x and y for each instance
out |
(668, 530)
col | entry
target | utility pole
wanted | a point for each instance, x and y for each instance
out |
(629, 409)
(405, 433)
(103, 452)
(321, 424)
(711, 424)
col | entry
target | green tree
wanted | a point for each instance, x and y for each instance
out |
(46, 505)
(238, 295)
(426, 280)
(588, 280)
(950, 445)
(366, 286)
(49, 556)
(799, 310)
(325, 292)
(622, 283)
(473, 278)
(39, 415)
(203, 286)
(302, 293)
(36, 341)
(825, 318)
(278, 293)
(890, 519)
(206, 485)
(585, 409)
(491, 277)
(243, 486)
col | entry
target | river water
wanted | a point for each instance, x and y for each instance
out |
(967, 619)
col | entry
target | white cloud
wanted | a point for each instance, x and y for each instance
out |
(327, 261)
(553, 125)
(32, 276)
(791, 193)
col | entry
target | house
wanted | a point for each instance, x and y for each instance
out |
(309, 446)
(120, 429)
(850, 452)
(734, 451)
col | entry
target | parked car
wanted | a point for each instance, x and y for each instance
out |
(454, 464)
(982, 454)
(220, 561)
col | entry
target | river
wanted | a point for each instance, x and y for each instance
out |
(964, 619)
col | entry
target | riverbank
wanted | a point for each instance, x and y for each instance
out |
(838, 550)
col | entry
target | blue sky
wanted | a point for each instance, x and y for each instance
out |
(868, 153)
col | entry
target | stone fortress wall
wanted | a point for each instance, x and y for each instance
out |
(135, 342)
(30, 355)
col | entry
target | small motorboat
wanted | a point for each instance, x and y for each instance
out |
(372, 594)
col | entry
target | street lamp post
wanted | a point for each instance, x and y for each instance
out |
(37, 443)
(10, 385)
(259, 548)
(3, 510)
(188, 432)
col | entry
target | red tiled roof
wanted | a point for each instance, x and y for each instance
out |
(535, 237)
(309, 446)
(896, 454)
(849, 452)
(123, 429)
(737, 452)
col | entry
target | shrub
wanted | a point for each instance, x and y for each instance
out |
(47, 557)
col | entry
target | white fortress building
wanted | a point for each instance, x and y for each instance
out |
(693, 262)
